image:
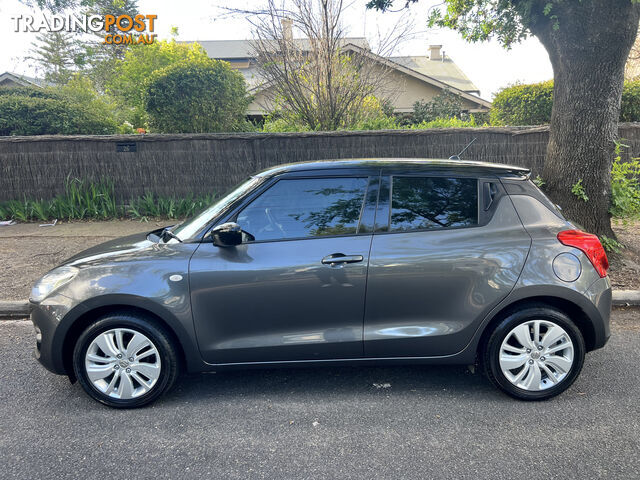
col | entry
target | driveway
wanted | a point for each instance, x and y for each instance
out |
(367, 423)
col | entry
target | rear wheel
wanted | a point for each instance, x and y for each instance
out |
(534, 354)
(125, 361)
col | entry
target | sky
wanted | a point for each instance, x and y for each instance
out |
(488, 64)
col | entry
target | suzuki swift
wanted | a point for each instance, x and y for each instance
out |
(349, 262)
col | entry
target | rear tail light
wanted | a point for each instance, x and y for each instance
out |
(590, 246)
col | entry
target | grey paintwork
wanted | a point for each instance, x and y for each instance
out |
(128, 272)
(420, 297)
(427, 291)
(276, 301)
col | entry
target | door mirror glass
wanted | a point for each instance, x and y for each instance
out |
(227, 235)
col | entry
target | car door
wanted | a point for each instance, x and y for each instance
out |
(297, 291)
(447, 249)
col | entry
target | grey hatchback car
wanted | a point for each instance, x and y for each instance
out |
(386, 261)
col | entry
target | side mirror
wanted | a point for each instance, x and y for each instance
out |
(229, 235)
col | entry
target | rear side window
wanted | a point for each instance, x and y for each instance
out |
(419, 203)
(301, 208)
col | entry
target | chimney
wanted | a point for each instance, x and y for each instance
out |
(434, 52)
(287, 29)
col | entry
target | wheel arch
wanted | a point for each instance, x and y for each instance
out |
(78, 319)
(567, 306)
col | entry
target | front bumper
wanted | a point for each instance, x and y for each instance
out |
(48, 319)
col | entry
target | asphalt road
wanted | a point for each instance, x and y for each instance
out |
(367, 423)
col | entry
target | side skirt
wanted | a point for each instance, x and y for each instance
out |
(466, 357)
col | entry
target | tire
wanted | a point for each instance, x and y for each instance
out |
(147, 367)
(549, 367)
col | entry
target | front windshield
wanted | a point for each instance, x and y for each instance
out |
(192, 226)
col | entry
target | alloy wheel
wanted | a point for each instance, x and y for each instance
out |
(122, 363)
(536, 355)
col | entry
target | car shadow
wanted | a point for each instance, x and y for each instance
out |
(329, 381)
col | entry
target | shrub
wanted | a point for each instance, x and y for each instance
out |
(131, 74)
(151, 205)
(446, 123)
(96, 200)
(283, 121)
(382, 122)
(444, 105)
(42, 116)
(630, 107)
(81, 200)
(625, 186)
(531, 104)
(72, 109)
(482, 118)
(523, 105)
(372, 114)
(196, 97)
(611, 245)
(32, 92)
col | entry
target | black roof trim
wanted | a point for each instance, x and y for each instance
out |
(355, 163)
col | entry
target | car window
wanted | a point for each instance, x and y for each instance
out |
(300, 208)
(191, 227)
(433, 202)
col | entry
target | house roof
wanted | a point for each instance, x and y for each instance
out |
(444, 70)
(236, 49)
(243, 49)
(24, 80)
(443, 74)
(389, 62)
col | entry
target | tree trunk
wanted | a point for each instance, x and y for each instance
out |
(588, 47)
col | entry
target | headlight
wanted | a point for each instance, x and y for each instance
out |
(53, 280)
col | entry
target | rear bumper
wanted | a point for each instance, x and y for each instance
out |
(600, 296)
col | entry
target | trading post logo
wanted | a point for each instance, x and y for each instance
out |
(118, 30)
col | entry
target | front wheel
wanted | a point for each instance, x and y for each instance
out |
(125, 361)
(534, 354)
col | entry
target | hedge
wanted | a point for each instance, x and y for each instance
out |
(531, 104)
(23, 113)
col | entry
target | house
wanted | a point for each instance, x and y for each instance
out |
(412, 78)
(10, 80)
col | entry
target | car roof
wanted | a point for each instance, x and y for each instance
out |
(399, 163)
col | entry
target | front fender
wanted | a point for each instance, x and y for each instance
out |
(179, 323)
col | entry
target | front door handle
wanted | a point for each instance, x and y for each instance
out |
(340, 258)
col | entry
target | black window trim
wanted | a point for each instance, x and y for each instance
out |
(232, 217)
(373, 186)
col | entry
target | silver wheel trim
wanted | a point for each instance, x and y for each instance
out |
(536, 355)
(122, 363)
